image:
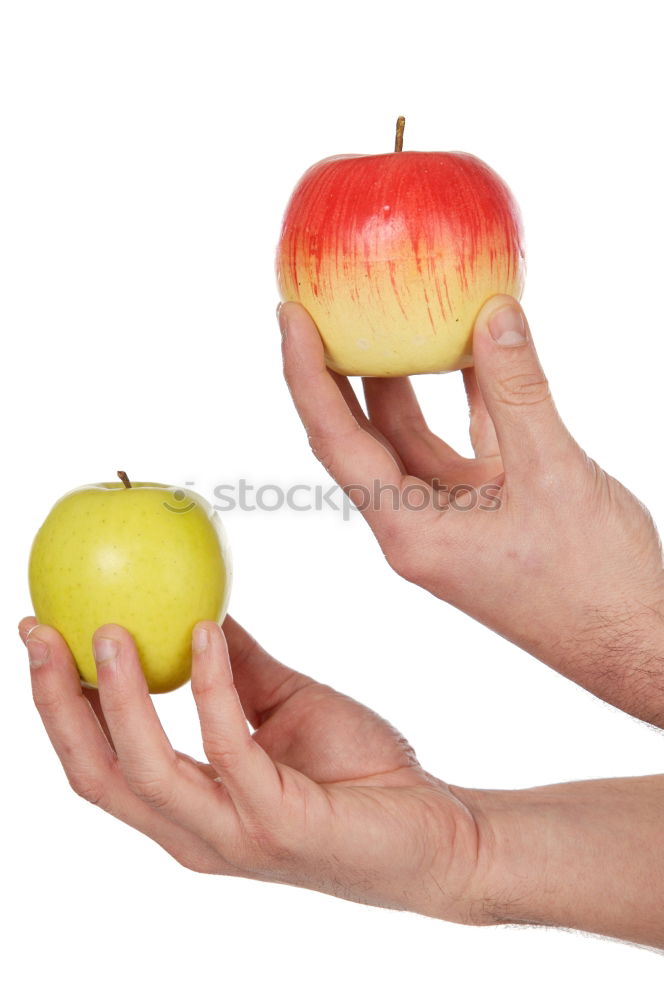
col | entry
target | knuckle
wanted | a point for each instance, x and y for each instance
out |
(119, 700)
(402, 553)
(389, 533)
(47, 702)
(88, 788)
(320, 446)
(401, 560)
(201, 687)
(330, 443)
(220, 753)
(409, 565)
(416, 569)
(270, 847)
(528, 388)
(156, 792)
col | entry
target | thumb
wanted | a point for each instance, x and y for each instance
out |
(515, 390)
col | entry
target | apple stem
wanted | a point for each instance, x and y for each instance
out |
(124, 478)
(398, 142)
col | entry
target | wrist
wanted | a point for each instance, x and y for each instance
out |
(479, 860)
(584, 855)
(515, 879)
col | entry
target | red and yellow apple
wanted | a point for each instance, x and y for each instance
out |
(393, 256)
(150, 557)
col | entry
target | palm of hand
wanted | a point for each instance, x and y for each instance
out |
(371, 799)
(331, 739)
(352, 786)
(324, 793)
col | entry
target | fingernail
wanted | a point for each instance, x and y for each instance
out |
(200, 639)
(282, 316)
(508, 326)
(30, 631)
(106, 651)
(37, 652)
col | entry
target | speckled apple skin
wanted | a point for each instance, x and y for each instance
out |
(152, 558)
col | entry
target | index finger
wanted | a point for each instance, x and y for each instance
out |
(351, 454)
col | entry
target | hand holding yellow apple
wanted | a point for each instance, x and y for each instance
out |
(150, 557)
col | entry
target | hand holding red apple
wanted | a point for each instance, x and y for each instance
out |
(564, 561)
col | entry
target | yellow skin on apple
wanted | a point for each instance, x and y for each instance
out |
(381, 334)
(394, 255)
(152, 558)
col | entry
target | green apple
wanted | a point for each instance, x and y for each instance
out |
(150, 557)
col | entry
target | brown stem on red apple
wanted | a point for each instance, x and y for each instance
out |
(124, 478)
(398, 142)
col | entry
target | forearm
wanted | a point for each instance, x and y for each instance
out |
(610, 644)
(587, 855)
(617, 653)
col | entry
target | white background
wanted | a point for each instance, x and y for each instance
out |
(148, 150)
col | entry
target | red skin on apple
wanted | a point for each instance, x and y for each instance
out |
(394, 255)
